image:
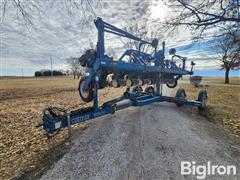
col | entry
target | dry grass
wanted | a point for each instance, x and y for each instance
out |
(21, 105)
(223, 105)
(29, 87)
(218, 80)
(233, 80)
(22, 101)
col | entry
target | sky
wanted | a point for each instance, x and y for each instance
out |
(61, 29)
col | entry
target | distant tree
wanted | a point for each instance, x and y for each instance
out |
(58, 73)
(75, 67)
(228, 49)
(198, 15)
(140, 30)
(49, 73)
(110, 52)
(221, 16)
(67, 72)
(37, 74)
(24, 8)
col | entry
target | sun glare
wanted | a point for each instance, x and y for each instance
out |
(158, 10)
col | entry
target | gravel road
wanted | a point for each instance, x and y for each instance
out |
(146, 143)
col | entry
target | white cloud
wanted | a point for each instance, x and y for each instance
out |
(58, 33)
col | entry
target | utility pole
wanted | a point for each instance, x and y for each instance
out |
(22, 72)
(51, 66)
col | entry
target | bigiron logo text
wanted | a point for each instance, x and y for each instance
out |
(201, 171)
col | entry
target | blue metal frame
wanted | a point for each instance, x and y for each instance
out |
(140, 59)
(52, 124)
(139, 65)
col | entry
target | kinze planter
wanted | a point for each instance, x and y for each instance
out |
(134, 69)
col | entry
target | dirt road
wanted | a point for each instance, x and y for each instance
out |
(146, 143)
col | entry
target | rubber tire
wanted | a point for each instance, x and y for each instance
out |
(150, 90)
(89, 97)
(130, 81)
(202, 96)
(180, 94)
(172, 86)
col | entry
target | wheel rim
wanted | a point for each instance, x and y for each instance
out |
(114, 83)
(129, 83)
(85, 93)
(171, 84)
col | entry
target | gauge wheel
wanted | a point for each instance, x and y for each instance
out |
(180, 94)
(87, 95)
(150, 90)
(172, 85)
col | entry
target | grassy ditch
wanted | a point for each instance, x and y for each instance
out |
(223, 104)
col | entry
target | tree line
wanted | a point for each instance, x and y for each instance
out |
(74, 69)
(49, 73)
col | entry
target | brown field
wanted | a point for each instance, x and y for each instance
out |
(232, 80)
(219, 80)
(23, 147)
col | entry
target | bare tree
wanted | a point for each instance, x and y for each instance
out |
(228, 49)
(24, 8)
(75, 67)
(142, 31)
(200, 14)
(222, 16)
(111, 52)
